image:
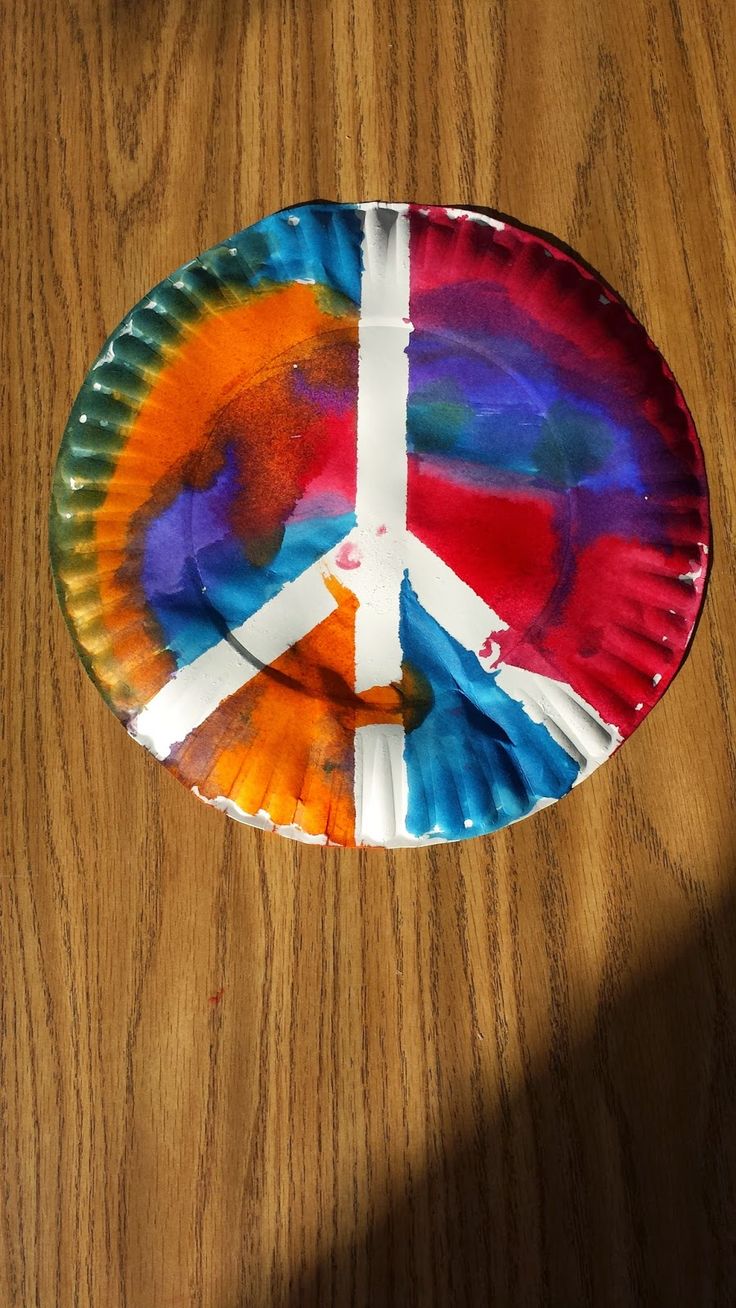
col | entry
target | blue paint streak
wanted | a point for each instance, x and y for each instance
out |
(511, 407)
(477, 754)
(321, 244)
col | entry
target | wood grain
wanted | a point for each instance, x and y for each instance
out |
(237, 1072)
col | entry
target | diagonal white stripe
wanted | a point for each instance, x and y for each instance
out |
(451, 601)
(570, 720)
(195, 691)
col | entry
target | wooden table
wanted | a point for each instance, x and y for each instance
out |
(237, 1071)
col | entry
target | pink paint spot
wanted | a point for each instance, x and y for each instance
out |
(381, 531)
(487, 649)
(215, 999)
(347, 556)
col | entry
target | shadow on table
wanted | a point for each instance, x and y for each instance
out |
(607, 1179)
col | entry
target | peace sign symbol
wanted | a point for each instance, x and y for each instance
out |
(406, 485)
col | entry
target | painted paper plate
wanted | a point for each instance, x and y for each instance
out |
(381, 524)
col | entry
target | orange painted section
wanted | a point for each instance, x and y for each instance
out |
(285, 742)
(223, 352)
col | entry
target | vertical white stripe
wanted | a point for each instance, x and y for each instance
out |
(381, 783)
(381, 791)
(383, 381)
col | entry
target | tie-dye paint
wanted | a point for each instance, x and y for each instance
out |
(381, 524)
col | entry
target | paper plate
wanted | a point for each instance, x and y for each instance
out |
(381, 524)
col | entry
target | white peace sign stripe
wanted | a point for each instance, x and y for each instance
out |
(383, 548)
(381, 466)
(196, 690)
(451, 601)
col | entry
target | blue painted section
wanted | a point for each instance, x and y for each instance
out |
(476, 754)
(190, 546)
(318, 243)
(513, 423)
